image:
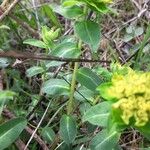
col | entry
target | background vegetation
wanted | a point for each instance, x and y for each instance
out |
(54, 55)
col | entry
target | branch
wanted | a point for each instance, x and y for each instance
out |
(20, 144)
(26, 55)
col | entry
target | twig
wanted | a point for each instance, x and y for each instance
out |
(130, 57)
(52, 118)
(32, 136)
(14, 54)
(20, 144)
(8, 10)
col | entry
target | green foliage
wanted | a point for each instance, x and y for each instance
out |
(98, 114)
(74, 105)
(48, 134)
(34, 71)
(66, 50)
(48, 11)
(4, 97)
(10, 130)
(88, 32)
(104, 140)
(35, 42)
(68, 129)
(55, 87)
(132, 32)
(88, 78)
(99, 6)
(68, 12)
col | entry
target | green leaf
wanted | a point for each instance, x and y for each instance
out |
(130, 29)
(48, 134)
(98, 114)
(34, 71)
(5, 95)
(4, 62)
(104, 140)
(52, 16)
(10, 130)
(88, 32)
(64, 50)
(144, 130)
(103, 73)
(103, 89)
(139, 31)
(56, 87)
(99, 6)
(35, 42)
(4, 27)
(68, 129)
(70, 3)
(53, 64)
(83, 94)
(128, 38)
(84, 107)
(68, 12)
(46, 34)
(88, 78)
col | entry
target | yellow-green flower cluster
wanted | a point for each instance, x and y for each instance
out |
(133, 94)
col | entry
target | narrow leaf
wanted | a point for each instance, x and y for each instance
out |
(35, 42)
(49, 12)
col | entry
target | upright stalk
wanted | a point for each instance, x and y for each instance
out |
(73, 84)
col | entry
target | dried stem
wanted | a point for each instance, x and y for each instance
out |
(14, 54)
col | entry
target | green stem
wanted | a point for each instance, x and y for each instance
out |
(73, 84)
(96, 100)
